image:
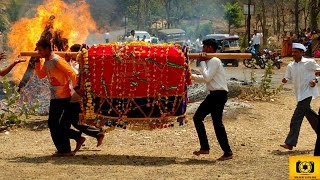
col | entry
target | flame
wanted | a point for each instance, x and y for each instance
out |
(73, 19)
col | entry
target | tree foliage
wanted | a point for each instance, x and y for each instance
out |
(4, 23)
(233, 14)
(10, 11)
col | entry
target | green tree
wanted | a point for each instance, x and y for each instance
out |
(13, 10)
(233, 14)
(4, 23)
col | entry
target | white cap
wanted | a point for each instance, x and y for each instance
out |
(299, 46)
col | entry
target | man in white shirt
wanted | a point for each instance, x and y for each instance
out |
(213, 74)
(73, 110)
(107, 37)
(256, 39)
(302, 74)
(132, 36)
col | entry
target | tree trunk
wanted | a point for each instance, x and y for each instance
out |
(167, 4)
(278, 20)
(264, 23)
(274, 21)
(306, 13)
(296, 17)
(314, 11)
(283, 19)
(138, 14)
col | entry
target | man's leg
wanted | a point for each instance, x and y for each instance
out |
(296, 120)
(88, 130)
(317, 147)
(65, 125)
(256, 47)
(201, 113)
(220, 98)
(71, 114)
(312, 117)
(56, 130)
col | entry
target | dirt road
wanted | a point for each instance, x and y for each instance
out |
(255, 134)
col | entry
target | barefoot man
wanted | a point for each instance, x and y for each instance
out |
(302, 74)
(213, 74)
(72, 113)
(58, 72)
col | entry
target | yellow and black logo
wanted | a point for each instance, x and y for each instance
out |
(304, 167)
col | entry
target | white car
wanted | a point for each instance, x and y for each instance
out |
(140, 34)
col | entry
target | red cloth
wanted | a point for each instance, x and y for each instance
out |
(130, 71)
(317, 53)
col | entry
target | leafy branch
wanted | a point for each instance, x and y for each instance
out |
(12, 112)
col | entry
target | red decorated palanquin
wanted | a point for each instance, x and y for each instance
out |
(138, 84)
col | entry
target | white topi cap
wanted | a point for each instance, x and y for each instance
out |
(299, 46)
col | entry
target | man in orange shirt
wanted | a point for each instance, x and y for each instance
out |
(58, 72)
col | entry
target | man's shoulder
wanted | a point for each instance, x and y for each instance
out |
(291, 64)
(215, 60)
(307, 59)
(57, 58)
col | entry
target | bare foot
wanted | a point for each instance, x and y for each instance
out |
(100, 139)
(79, 144)
(197, 153)
(286, 146)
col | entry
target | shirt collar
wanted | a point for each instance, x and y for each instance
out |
(303, 59)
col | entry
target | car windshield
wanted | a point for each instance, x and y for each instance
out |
(233, 43)
(141, 34)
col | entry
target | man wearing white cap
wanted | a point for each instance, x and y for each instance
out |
(302, 74)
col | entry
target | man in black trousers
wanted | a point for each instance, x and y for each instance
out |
(73, 110)
(213, 74)
(317, 147)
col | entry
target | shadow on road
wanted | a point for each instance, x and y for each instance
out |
(38, 125)
(108, 159)
(294, 152)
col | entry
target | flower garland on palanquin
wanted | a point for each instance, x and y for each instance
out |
(136, 84)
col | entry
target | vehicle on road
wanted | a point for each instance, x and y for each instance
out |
(227, 44)
(177, 36)
(142, 35)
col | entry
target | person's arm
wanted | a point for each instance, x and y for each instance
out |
(40, 69)
(287, 76)
(209, 69)
(67, 69)
(315, 66)
(7, 69)
(197, 78)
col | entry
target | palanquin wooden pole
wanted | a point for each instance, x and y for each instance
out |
(222, 55)
(191, 55)
(60, 53)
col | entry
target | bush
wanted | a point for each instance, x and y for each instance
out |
(12, 111)
(262, 90)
